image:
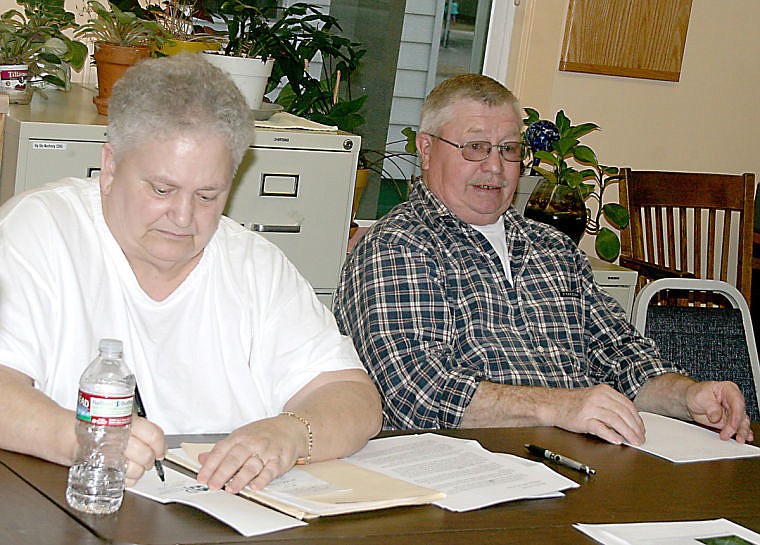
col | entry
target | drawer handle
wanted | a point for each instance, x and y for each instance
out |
(263, 228)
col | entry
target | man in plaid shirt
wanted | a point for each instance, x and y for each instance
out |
(466, 314)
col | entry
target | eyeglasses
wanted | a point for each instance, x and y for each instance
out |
(479, 150)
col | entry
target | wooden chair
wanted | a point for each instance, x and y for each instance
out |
(689, 225)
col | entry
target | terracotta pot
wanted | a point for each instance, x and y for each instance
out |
(360, 184)
(112, 61)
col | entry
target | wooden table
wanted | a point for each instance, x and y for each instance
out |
(630, 486)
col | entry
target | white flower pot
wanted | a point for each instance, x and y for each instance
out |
(249, 74)
(14, 82)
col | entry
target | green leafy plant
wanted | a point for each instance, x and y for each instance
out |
(294, 37)
(34, 36)
(123, 28)
(391, 166)
(375, 159)
(564, 164)
(176, 16)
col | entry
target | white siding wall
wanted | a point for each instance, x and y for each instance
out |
(417, 62)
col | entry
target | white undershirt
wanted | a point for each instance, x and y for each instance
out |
(494, 232)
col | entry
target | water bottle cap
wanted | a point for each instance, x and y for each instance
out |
(111, 347)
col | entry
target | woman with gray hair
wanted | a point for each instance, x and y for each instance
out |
(180, 94)
(221, 331)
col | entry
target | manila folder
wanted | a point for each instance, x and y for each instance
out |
(319, 489)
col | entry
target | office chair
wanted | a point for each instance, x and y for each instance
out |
(710, 343)
(689, 225)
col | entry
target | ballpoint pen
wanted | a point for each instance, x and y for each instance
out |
(141, 412)
(562, 460)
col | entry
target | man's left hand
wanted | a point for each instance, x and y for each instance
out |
(719, 405)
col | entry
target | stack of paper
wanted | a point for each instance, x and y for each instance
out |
(285, 120)
(470, 476)
(455, 474)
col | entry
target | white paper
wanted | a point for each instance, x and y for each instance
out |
(245, 516)
(668, 533)
(469, 475)
(680, 441)
(285, 120)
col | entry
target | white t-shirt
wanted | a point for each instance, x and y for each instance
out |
(494, 232)
(238, 338)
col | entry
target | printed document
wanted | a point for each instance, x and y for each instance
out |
(470, 476)
(245, 516)
(680, 441)
(703, 532)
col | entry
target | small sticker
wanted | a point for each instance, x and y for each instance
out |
(56, 146)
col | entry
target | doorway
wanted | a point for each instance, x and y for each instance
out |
(463, 38)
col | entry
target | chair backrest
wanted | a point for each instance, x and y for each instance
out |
(710, 343)
(689, 224)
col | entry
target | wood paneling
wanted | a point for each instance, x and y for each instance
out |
(631, 38)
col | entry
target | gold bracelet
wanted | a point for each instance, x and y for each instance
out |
(307, 460)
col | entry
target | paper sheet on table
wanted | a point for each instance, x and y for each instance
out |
(703, 532)
(324, 488)
(245, 516)
(285, 120)
(680, 441)
(470, 476)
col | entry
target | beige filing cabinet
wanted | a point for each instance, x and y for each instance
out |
(51, 138)
(618, 281)
(295, 187)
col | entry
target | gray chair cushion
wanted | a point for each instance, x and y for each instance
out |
(709, 343)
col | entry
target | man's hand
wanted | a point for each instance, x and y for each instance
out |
(254, 454)
(720, 405)
(599, 410)
(146, 445)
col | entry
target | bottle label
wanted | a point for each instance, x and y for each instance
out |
(104, 410)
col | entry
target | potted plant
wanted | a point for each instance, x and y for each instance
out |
(291, 38)
(34, 49)
(121, 40)
(559, 157)
(177, 17)
(394, 167)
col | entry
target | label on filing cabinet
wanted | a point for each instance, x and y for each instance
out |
(55, 146)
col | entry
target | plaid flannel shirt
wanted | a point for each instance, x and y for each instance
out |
(425, 299)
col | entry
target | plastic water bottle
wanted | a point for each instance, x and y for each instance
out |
(104, 415)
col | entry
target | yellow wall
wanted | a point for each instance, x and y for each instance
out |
(708, 121)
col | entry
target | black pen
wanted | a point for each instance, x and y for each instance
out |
(562, 460)
(141, 412)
